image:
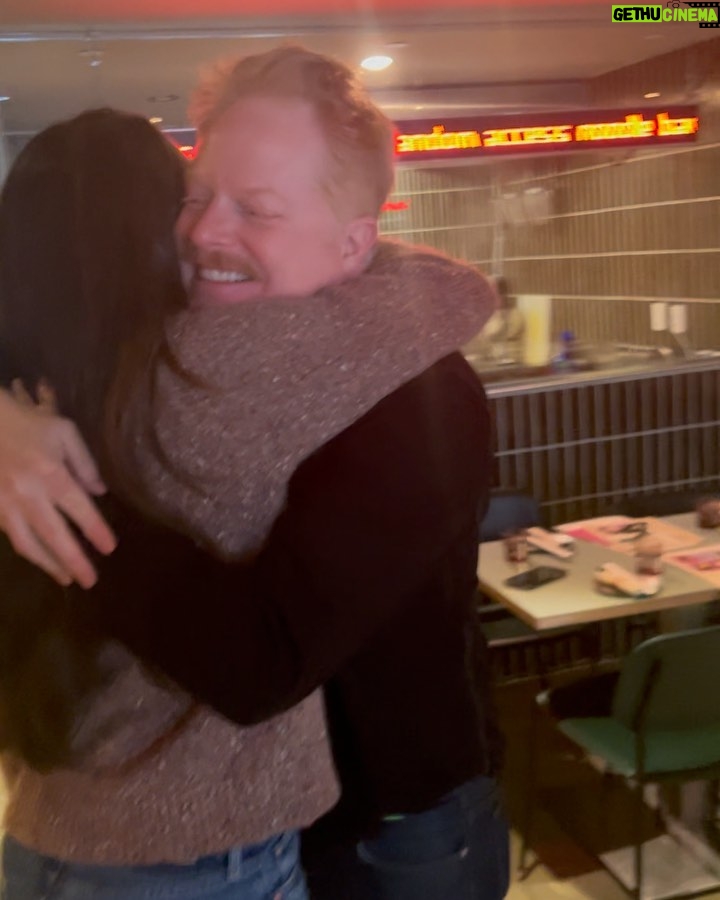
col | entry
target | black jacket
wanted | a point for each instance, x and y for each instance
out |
(365, 585)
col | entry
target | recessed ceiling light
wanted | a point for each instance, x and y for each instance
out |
(397, 45)
(652, 95)
(155, 120)
(376, 63)
(4, 98)
(163, 98)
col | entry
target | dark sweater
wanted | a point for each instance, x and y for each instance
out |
(365, 584)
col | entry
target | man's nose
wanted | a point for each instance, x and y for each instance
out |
(211, 226)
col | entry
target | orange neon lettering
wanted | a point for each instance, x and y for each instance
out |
(667, 126)
(551, 134)
(634, 126)
(500, 137)
(546, 134)
(439, 139)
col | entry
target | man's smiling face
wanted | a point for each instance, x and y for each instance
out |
(257, 220)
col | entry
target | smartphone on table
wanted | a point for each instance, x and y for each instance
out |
(535, 577)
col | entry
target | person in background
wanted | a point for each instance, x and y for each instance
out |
(366, 580)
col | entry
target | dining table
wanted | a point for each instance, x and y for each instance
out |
(575, 599)
(680, 860)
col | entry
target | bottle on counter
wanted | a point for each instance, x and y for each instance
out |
(565, 354)
(572, 355)
(536, 311)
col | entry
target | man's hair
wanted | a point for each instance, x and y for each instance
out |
(358, 134)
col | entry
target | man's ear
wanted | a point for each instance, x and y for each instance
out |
(361, 235)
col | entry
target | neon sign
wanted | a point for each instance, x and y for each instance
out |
(469, 137)
(395, 206)
(457, 138)
(438, 140)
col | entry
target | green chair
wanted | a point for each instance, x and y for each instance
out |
(664, 724)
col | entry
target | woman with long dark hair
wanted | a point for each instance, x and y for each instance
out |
(119, 783)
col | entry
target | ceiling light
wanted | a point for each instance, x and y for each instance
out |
(376, 63)
(652, 95)
(4, 98)
(155, 120)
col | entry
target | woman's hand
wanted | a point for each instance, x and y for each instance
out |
(47, 477)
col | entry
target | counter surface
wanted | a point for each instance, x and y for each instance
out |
(503, 381)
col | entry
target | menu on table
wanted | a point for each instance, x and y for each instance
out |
(703, 561)
(622, 532)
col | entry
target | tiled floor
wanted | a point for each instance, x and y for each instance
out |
(575, 812)
(542, 885)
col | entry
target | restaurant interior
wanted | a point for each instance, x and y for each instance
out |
(575, 160)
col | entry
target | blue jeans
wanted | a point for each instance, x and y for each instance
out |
(267, 871)
(458, 850)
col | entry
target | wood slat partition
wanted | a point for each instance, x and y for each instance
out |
(579, 448)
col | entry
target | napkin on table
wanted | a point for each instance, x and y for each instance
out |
(612, 578)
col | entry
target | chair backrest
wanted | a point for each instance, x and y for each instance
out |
(672, 680)
(508, 509)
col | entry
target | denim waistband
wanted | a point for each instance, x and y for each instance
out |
(236, 863)
(244, 861)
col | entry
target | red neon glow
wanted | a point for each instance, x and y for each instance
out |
(395, 206)
(188, 151)
(164, 12)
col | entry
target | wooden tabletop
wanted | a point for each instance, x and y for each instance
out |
(574, 600)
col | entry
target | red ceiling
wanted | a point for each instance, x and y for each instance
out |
(47, 11)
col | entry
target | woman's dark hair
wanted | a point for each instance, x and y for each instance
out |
(88, 277)
(88, 266)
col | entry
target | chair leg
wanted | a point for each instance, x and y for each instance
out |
(530, 788)
(638, 848)
(711, 814)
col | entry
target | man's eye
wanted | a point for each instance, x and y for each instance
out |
(249, 212)
(255, 213)
(194, 202)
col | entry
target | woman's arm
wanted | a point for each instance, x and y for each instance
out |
(368, 519)
(407, 295)
(409, 308)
